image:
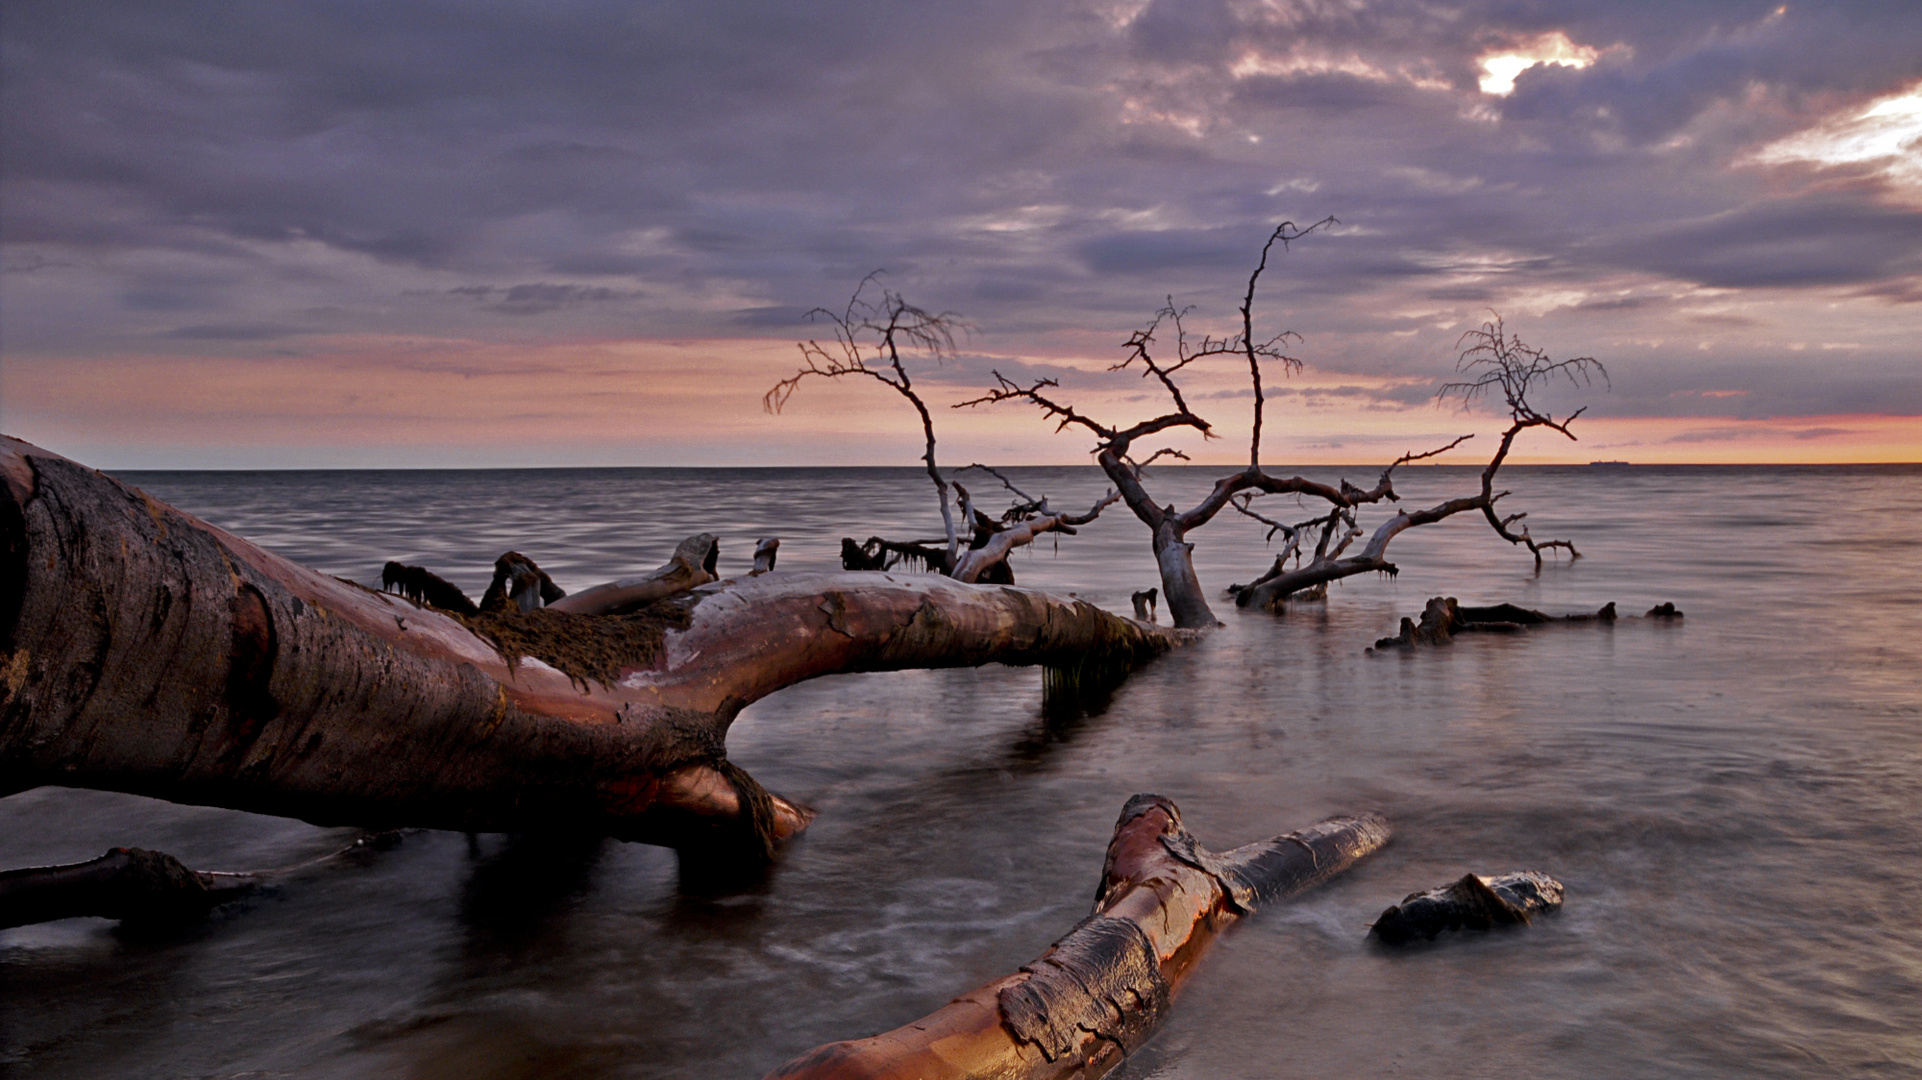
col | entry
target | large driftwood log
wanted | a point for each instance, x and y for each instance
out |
(142, 650)
(1101, 991)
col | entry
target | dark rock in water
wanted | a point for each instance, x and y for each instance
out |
(1665, 610)
(1473, 903)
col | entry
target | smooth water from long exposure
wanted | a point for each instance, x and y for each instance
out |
(1734, 802)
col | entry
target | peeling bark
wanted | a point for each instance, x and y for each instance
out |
(1101, 991)
(145, 651)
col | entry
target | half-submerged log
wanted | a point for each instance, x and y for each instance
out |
(1473, 903)
(145, 651)
(1100, 992)
(1443, 618)
(131, 884)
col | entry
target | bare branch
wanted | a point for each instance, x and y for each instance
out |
(1502, 361)
(1285, 232)
(868, 338)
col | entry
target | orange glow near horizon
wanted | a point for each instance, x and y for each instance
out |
(397, 402)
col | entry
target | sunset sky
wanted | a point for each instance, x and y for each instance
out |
(433, 234)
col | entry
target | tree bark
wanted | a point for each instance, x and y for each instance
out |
(142, 650)
(1100, 992)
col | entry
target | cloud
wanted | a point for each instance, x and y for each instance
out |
(195, 172)
(1755, 433)
(538, 298)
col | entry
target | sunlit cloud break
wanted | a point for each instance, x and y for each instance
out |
(1887, 134)
(1500, 69)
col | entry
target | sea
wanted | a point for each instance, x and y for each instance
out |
(1733, 800)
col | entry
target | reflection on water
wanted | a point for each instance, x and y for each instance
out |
(1734, 802)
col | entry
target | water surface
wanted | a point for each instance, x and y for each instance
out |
(1734, 803)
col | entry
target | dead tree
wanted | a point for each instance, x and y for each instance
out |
(868, 341)
(1101, 991)
(1494, 360)
(145, 651)
(1114, 443)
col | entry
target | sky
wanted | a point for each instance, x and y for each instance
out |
(331, 234)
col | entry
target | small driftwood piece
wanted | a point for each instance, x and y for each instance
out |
(1101, 991)
(764, 553)
(1473, 903)
(1145, 604)
(131, 884)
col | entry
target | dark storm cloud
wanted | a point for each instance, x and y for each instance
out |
(538, 297)
(696, 168)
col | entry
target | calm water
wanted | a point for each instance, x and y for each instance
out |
(1735, 804)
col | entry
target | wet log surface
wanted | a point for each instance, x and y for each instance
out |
(145, 651)
(1103, 989)
(1473, 903)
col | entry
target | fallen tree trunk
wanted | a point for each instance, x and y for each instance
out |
(142, 650)
(1100, 992)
